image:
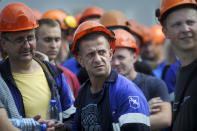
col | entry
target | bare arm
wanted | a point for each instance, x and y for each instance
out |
(5, 124)
(163, 118)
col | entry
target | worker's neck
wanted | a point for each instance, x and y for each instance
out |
(132, 75)
(97, 83)
(24, 67)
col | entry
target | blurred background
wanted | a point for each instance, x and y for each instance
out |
(140, 10)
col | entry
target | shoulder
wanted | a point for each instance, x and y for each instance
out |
(128, 102)
(53, 69)
(152, 80)
(70, 61)
(66, 71)
(124, 87)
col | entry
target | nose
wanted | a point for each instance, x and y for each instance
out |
(97, 57)
(26, 44)
(185, 28)
(53, 44)
(115, 62)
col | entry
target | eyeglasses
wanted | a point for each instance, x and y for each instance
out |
(21, 40)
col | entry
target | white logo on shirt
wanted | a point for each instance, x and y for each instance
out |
(134, 102)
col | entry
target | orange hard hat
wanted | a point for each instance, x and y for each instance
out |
(56, 14)
(136, 28)
(167, 5)
(113, 18)
(77, 17)
(37, 14)
(158, 35)
(125, 39)
(92, 11)
(88, 27)
(17, 17)
(147, 34)
(65, 20)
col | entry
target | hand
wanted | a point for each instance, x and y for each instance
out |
(50, 124)
(155, 105)
(61, 127)
(41, 55)
(37, 117)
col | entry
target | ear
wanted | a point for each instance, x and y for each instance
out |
(2, 44)
(110, 54)
(164, 29)
(80, 60)
(135, 57)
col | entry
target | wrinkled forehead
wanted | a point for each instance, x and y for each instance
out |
(97, 43)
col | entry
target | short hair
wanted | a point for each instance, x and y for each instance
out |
(92, 36)
(48, 22)
(132, 50)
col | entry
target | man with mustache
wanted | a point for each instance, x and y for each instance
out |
(28, 78)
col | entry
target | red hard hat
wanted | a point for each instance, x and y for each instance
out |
(88, 27)
(125, 39)
(17, 17)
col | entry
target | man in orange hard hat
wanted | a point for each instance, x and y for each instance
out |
(33, 83)
(154, 89)
(179, 21)
(68, 25)
(114, 19)
(158, 42)
(92, 13)
(107, 101)
(49, 38)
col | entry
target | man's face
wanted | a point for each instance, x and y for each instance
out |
(20, 45)
(123, 61)
(64, 50)
(147, 51)
(49, 41)
(181, 28)
(95, 56)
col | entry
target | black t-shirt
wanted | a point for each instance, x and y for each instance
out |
(152, 87)
(95, 114)
(186, 116)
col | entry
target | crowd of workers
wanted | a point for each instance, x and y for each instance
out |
(106, 72)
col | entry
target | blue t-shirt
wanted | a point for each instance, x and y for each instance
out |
(158, 71)
(170, 76)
